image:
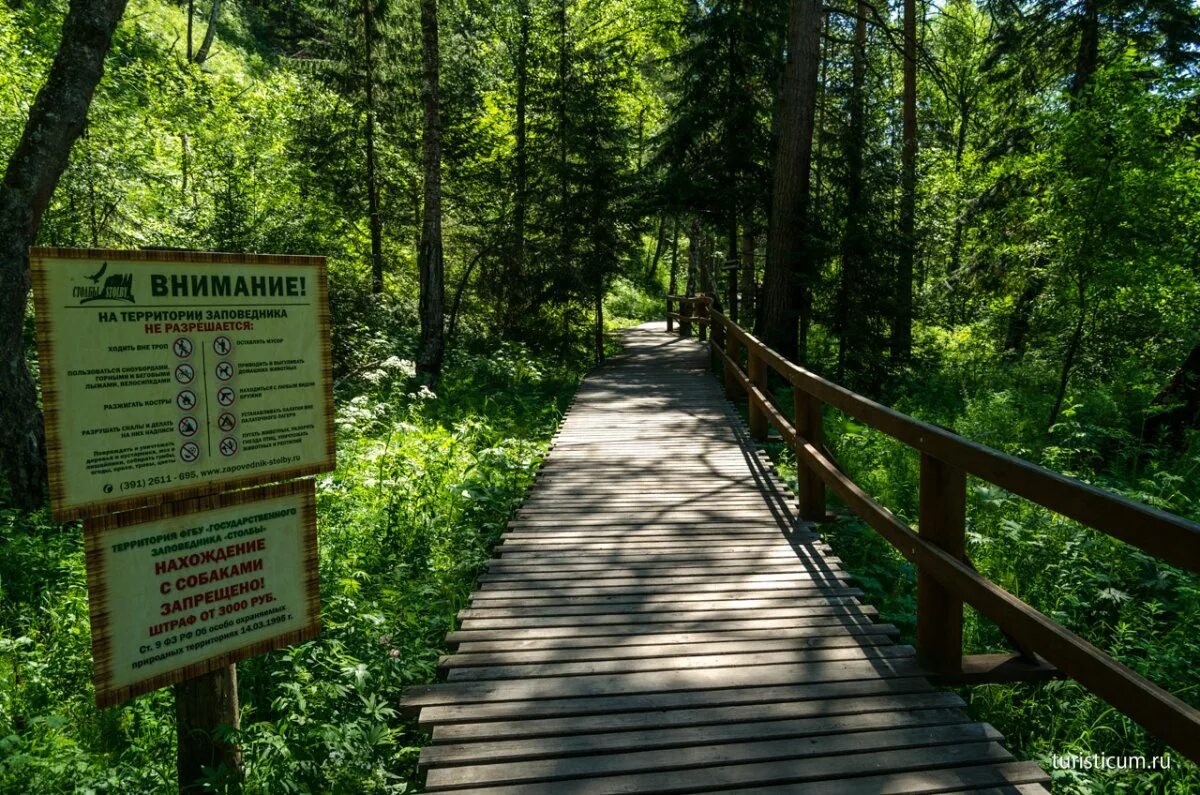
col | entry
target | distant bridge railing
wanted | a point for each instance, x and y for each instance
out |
(945, 578)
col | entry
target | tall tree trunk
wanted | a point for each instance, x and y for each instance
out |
(674, 279)
(598, 339)
(432, 344)
(652, 271)
(210, 33)
(786, 280)
(854, 244)
(372, 181)
(747, 287)
(513, 276)
(960, 147)
(731, 268)
(1181, 401)
(55, 121)
(902, 328)
(1088, 57)
(1069, 355)
(1017, 333)
(191, 14)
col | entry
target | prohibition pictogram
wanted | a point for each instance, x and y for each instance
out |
(224, 370)
(222, 345)
(189, 452)
(186, 400)
(228, 446)
(188, 426)
(226, 422)
(184, 373)
(182, 347)
(226, 396)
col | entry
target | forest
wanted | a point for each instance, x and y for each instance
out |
(984, 213)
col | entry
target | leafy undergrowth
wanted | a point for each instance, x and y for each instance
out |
(1142, 611)
(425, 484)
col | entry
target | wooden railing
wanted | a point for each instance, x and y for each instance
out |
(945, 578)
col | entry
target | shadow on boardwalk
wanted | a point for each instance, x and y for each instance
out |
(657, 620)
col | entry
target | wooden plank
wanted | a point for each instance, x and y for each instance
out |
(658, 681)
(680, 769)
(780, 708)
(770, 699)
(466, 657)
(503, 642)
(640, 603)
(677, 663)
(852, 616)
(641, 740)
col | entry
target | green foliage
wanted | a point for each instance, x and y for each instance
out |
(425, 485)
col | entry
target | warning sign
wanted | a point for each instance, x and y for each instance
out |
(168, 375)
(181, 589)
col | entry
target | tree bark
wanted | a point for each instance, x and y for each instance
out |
(854, 244)
(376, 222)
(652, 271)
(1088, 57)
(1069, 356)
(203, 705)
(747, 287)
(1181, 401)
(599, 327)
(789, 269)
(902, 328)
(210, 33)
(55, 121)
(431, 346)
(516, 261)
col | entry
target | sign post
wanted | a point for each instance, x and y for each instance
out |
(172, 381)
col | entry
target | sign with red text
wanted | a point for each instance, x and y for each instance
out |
(181, 589)
(168, 374)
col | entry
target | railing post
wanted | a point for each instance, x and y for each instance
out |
(731, 382)
(810, 489)
(702, 312)
(943, 515)
(670, 320)
(757, 371)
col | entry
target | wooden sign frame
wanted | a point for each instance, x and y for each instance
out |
(97, 532)
(40, 259)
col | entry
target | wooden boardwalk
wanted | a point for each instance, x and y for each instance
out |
(657, 620)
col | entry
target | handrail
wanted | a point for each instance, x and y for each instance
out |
(945, 578)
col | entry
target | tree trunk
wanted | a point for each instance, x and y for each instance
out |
(652, 271)
(513, 276)
(673, 282)
(1017, 333)
(202, 705)
(429, 263)
(854, 245)
(902, 328)
(786, 280)
(56, 120)
(372, 182)
(210, 33)
(1069, 357)
(191, 13)
(599, 328)
(1088, 57)
(731, 269)
(747, 308)
(1181, 401)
